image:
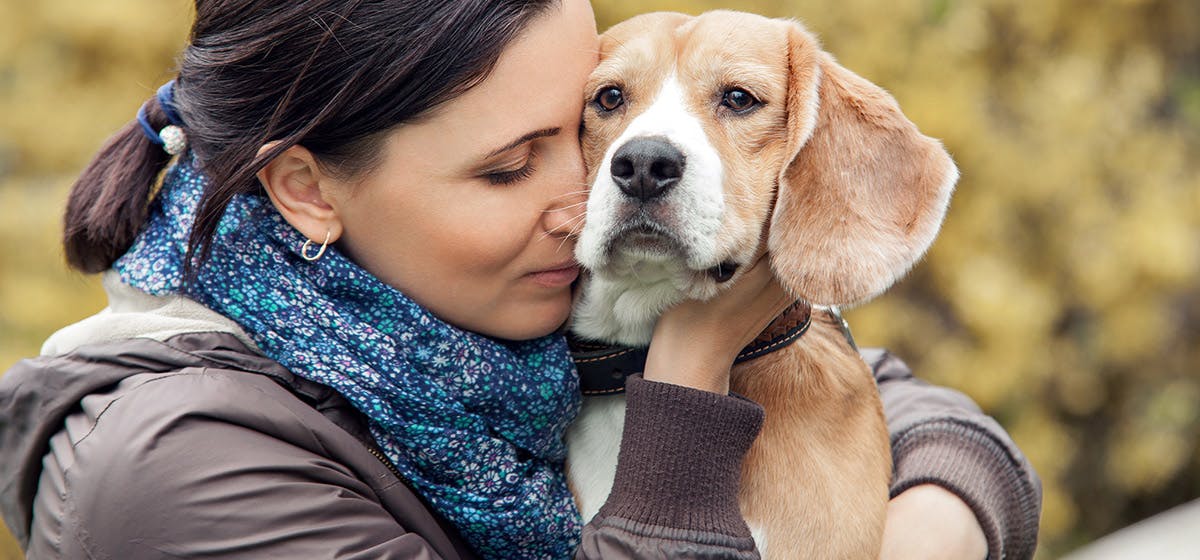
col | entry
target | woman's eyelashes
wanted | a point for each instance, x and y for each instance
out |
(510, 176)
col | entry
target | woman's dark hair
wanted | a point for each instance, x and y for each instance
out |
(331, 75)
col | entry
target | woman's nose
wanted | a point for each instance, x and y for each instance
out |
(565, 215)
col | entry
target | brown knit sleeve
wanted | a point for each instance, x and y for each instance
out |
(675, 491)
(939, 436)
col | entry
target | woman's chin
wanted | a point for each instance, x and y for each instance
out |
(531, 321)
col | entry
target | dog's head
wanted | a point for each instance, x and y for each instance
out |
(707, 136)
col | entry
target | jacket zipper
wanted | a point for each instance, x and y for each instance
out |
(383, 459)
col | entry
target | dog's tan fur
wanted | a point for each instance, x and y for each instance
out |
(848, 195)
(816, 478)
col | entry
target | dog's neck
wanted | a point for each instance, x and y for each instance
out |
(617, 312)
(623, 309)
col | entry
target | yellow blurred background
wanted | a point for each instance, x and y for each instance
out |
(1061, 295)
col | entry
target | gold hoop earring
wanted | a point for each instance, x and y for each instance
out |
(308, 243)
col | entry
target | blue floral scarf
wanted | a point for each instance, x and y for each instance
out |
(475, 424)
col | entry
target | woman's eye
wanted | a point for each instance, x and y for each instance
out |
(511, 176)
(609, 99)
(739, 100)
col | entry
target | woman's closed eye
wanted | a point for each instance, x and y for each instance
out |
(512, 174)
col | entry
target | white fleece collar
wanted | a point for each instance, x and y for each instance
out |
(132, 313)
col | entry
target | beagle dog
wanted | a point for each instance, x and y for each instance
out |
(709, 140)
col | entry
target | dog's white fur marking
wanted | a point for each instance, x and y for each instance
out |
(759, 534)
(595, 439)
(634, 285)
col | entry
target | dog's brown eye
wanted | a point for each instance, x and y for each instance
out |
(610, 98)
(739, 100)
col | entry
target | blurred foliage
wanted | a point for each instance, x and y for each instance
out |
(1061, 294)
(71, 73)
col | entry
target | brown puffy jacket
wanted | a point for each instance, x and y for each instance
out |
(155, 430)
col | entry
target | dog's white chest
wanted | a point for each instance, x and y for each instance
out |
(593, 441)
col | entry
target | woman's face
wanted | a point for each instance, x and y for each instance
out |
(470, 211)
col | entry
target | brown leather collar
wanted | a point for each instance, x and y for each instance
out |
(603, 368)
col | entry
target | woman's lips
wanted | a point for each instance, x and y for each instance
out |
(559, 277)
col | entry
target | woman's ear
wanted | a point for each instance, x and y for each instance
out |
(300, 191)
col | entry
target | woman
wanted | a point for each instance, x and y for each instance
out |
(332, 331)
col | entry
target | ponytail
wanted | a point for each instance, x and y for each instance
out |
(109, 202)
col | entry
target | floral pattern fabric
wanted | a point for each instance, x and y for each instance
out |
(475, 424)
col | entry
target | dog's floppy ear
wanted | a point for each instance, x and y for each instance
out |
(862, 192)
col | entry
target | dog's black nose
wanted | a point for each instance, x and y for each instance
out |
(646, 168)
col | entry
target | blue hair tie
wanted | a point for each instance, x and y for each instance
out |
(175, 141)
(166, 99)
(148, 130)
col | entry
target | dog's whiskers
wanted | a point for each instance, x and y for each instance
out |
(568, 207)
(572, 193)
(574, 233)
(578, 226)
(575, 220)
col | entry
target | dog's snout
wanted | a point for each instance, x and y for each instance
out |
(646, 168)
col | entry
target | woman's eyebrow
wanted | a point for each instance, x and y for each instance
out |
(523, 139)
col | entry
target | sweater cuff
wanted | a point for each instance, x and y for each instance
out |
(968, 462)
(681, 457)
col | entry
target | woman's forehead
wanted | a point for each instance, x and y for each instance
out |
(538, 79)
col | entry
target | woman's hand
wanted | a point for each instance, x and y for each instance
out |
(928, 522)
(695, 342)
